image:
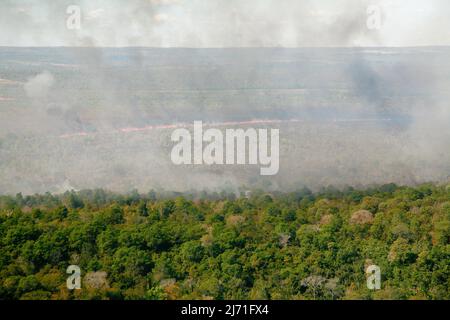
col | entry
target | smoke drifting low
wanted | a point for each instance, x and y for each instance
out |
(368, 111)
(89, 118)
(37, 87)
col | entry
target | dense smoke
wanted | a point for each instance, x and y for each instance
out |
(37, 87)
(88, 116)
(225, 23)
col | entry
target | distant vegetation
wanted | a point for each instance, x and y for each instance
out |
(298, 245)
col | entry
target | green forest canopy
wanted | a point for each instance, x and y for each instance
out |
(298, 245)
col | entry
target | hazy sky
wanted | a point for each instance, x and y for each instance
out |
(226, 23)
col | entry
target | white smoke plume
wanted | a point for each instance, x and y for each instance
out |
(38, 87)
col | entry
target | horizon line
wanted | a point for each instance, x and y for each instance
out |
(230, 47)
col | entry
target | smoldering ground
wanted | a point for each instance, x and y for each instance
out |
(361, 117)
(88, 116)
